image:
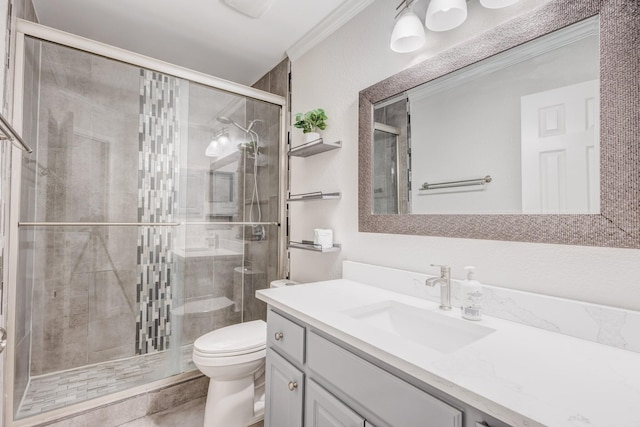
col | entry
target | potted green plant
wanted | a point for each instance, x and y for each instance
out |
(311, 122)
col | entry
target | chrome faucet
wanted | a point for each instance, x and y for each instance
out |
(445, 285)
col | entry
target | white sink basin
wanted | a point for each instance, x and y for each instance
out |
(431, 329)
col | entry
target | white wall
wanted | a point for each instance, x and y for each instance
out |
(330, 76)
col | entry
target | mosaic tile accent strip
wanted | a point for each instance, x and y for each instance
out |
(52, 391)
(159, 140)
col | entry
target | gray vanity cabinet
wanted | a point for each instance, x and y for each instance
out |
(284, 395)
(314, 380)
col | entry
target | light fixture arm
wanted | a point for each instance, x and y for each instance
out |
(400, 8)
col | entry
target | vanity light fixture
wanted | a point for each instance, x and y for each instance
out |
(408, 33)
(442, 15)
(219, 143)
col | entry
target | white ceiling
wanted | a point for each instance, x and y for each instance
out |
(204, 35)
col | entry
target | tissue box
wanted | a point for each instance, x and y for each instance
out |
(323, 238)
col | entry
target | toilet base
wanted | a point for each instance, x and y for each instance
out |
(230, 403)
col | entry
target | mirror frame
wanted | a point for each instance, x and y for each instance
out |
(618, 223)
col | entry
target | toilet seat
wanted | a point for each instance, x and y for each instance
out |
(213, 361)
(232, 341)
(228, 354)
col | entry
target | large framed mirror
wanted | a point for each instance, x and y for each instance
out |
(527, 133)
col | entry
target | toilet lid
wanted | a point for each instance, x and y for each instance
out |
(239, 338)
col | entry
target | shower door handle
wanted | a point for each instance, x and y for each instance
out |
(3, 339)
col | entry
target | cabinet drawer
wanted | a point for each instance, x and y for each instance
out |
(285, 336)
(393, 401)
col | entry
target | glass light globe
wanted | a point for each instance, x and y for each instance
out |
(444, 15)
(408, 33)
(212, 149)
(497, 4)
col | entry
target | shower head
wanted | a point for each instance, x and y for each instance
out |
(227, 121)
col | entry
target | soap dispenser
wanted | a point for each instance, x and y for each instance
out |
(471, 301)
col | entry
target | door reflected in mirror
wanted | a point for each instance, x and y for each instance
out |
(516, 133)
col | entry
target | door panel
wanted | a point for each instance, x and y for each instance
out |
(323, 410)
(560, 150)
(284, 397)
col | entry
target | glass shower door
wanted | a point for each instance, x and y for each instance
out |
(94, 263)
(149, 216)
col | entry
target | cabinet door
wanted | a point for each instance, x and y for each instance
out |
(284, 396)
(323, 410)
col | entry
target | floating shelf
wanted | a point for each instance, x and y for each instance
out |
(308, 245)
(314, 147)
(316, 195)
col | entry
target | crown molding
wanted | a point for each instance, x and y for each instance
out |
(326, 27)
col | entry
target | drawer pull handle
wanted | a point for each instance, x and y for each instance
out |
(279, 336)
(293, 385)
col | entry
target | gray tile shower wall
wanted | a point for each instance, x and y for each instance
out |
(262, 255)
(85, 170)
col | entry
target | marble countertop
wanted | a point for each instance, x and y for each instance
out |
(522, 375)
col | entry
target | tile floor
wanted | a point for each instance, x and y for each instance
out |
(59, 389)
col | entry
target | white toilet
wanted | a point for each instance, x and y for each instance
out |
(233, 358)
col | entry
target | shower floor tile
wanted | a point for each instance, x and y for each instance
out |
(60, 389)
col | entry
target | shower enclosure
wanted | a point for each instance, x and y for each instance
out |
(149, 215)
